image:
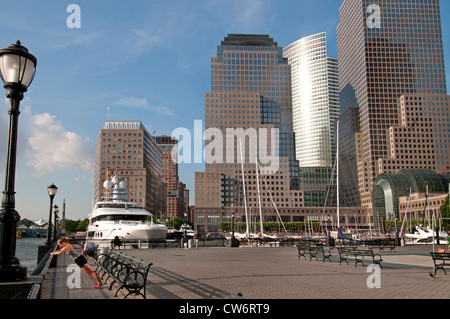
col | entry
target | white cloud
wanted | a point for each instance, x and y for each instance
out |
(74, 41)
(52, 147)
(240, 16)
(148, 40)
(133, 102)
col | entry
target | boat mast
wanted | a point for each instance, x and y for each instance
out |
(426, 209)
(337, 177)
(273, 203)
(259, 199)
(405, 217)
(243, 185)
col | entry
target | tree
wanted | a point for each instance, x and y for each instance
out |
(445, 213)
(83, 225)
(71, 225)
(177, 222)
(74, 226)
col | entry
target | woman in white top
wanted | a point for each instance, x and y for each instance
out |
(80, 260)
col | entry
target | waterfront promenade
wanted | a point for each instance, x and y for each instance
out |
(265, 273)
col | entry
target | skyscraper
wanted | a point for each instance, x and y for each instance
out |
(250, 93)
(385, 49)
(176, 206)
(315, 111)
(127, 148)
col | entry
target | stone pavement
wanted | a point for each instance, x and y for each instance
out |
(220, 273)
(276, 273)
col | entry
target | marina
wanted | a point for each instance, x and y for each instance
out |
(288, 206)
(262, 272)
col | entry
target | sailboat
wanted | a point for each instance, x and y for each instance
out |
(340, 234)
(426, 235)
(248, 234)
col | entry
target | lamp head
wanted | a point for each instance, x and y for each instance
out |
(17, 67)
(52, 189)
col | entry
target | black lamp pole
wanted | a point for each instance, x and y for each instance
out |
(56, 212)
(52, 189)
(17, 69)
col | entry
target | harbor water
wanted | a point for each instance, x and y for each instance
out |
(27, 252)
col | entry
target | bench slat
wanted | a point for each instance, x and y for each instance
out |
(129, 272)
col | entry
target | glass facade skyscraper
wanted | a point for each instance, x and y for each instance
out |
(250, 90)
(255, 64)
(314, 113)
(315, 110)
(385, 49)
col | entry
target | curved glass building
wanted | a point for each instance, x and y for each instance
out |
(315, 110)
(388, 188)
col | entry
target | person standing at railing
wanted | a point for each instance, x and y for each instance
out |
(80, 260)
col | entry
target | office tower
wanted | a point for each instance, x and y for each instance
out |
(418, 159)
(385, 49)
(127, 148)
(422, 137)
(175, 189)
(250, 94)
(315, 111)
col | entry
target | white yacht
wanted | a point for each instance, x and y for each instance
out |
(425, 235)
(115, 216)
(188, 230)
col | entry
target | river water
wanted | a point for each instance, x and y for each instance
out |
(27, 252)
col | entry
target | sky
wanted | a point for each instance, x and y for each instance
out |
(147, 60)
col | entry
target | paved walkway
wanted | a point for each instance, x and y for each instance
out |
(266, 274)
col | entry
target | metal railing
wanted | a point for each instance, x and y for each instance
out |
(33, 289)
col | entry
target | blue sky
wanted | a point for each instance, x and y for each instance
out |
(146, 60)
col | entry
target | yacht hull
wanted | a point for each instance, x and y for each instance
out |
(127, 233)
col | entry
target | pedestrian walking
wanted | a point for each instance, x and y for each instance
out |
(196, 239)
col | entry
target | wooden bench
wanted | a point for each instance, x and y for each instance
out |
(345, 253)
(381, 244)
(440, 261)
(129, 272)
(361, 255)
(303, 250)
(313, 252)
(320, 251)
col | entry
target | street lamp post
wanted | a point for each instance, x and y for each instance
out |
(184, 240)
(233, 241)
(52, 189)
(232, 225)
(17, 70)
(56, 213)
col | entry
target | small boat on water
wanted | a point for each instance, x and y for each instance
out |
(115, 217)
(173, 233)
(188, 230)
(425, 236)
